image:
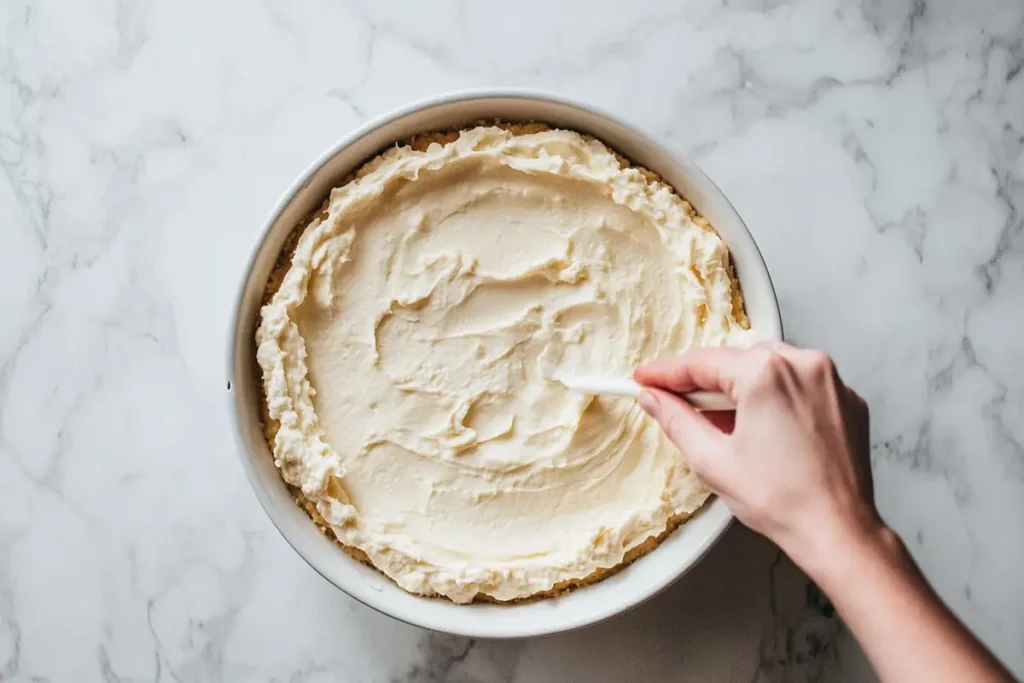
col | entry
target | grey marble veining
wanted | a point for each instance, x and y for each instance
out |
(874, 148)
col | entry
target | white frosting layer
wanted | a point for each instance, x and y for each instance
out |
(406, 353)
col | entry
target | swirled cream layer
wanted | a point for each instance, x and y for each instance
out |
(406, 359)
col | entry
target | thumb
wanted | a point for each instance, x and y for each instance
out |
(687, 428)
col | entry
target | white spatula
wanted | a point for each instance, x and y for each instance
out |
(592, 384)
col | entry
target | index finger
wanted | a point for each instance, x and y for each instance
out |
(707, 369)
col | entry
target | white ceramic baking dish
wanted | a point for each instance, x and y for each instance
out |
(614, 595)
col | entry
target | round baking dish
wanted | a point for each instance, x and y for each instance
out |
(629, 587)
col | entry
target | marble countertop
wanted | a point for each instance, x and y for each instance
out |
(874, 148)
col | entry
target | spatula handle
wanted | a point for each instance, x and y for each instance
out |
(587, 384)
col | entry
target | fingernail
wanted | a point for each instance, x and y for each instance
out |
(649, 402)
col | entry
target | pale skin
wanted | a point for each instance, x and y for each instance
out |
(793, 464)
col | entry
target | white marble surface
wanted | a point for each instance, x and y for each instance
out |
(875, 149)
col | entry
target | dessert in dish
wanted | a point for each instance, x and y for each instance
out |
(409, 336)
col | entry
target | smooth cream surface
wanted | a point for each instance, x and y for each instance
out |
(407, 353)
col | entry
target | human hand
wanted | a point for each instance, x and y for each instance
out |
(793, 461)
(793, 464)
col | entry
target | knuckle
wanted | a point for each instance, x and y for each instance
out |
(771, 367)
(769, 345)
(820, 362)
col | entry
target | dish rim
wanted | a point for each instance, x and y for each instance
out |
(514, 620)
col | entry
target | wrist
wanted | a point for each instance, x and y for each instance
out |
(833, 552)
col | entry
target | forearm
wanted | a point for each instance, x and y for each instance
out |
(903, 627)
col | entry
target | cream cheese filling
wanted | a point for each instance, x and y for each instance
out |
(406, 353)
